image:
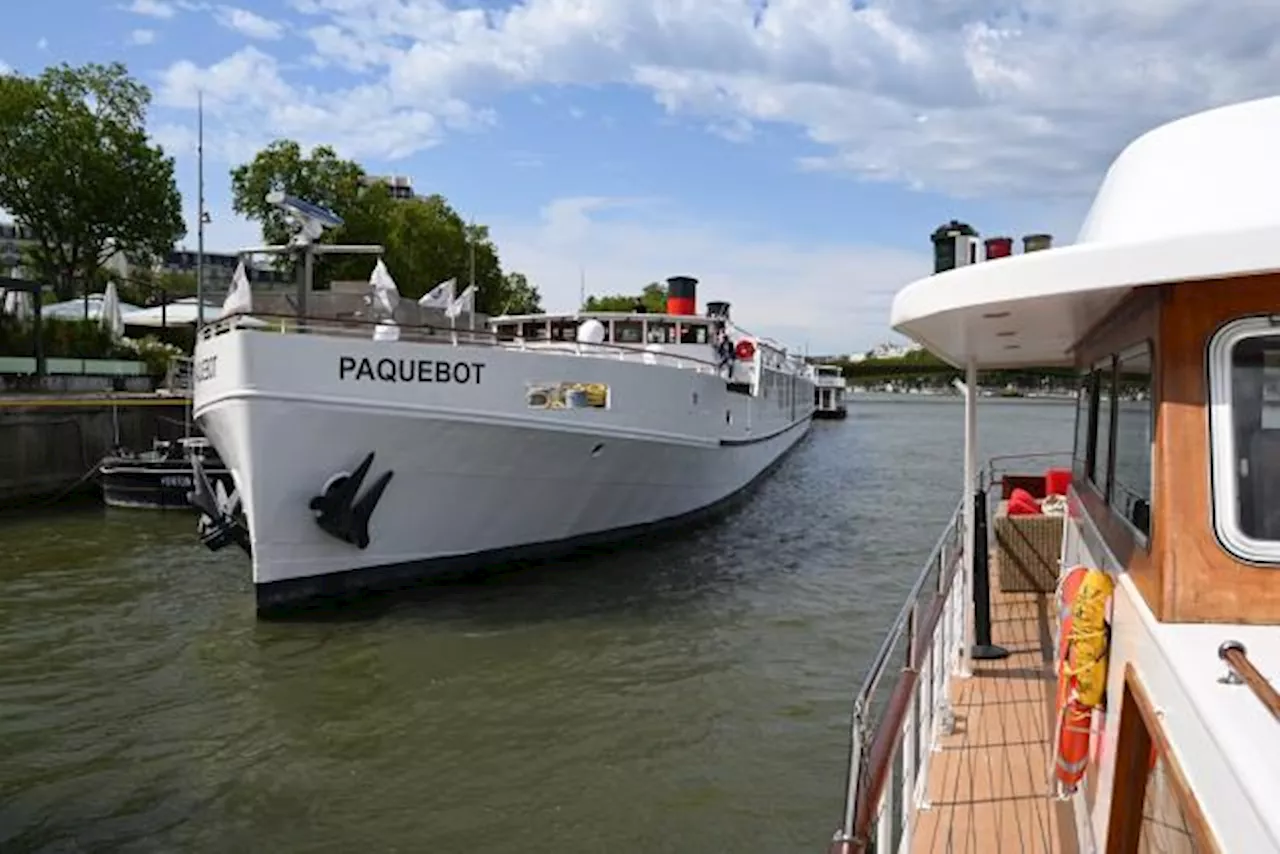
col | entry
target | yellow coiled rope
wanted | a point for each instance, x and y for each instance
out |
(1088, 641)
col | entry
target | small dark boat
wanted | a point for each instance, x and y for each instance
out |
(160, 479)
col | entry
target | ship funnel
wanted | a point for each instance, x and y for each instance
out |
(955, 244)
(1036, 242)
(682, 295)
(718, 309)
(998, 247)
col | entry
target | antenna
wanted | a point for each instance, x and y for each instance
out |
(310, 220)
(582, 288)
(200, 209)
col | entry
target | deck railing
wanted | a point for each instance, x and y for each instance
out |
(424, 333)
(904, 704)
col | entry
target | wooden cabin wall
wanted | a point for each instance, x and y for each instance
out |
(1134, 321)
(1203, 581)
(1182, 571)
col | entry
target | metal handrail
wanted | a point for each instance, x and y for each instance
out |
(428, 333)
(1000, 464)
(1243, 670)
(918, 623)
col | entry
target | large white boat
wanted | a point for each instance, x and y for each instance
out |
(362, 462)
(1108, 681)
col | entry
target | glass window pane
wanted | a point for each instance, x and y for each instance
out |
(1255, 419)
(1084, 416)
(1102, 453)
(1131, 487)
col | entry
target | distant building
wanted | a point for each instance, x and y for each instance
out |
(219, 268)
(13, 240)
(399, 186)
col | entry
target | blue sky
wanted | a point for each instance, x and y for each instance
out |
(793, 154)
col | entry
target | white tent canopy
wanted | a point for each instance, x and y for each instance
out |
(181, 312)
(73, 309)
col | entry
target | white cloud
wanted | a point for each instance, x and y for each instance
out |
(42, 43)
(5, 68)
(142, 37)
(970, 96)
(152, 9)
(833, 297)
(248, 23)
(248, 102)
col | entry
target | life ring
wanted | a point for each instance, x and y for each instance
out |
(745, 350)
(1083, 645)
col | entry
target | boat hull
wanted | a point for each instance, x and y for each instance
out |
(478, 475)
(831, 414)
(153, 485)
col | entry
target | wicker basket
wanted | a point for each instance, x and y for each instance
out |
(1028, 551)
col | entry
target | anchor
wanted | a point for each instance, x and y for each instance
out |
(340, 513)
(218, 525)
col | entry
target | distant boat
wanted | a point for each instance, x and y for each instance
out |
(160, 479)
(828, 391)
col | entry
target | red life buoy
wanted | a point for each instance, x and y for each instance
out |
(745, 350)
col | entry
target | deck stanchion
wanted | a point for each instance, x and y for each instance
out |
(983, 648)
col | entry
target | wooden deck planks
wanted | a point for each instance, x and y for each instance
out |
(989, 785)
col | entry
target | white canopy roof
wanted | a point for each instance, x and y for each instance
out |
(181, 312)
(73, 309)
(1192, 200)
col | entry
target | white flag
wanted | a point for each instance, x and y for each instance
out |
(385, 294)
(466, 302)
(240, 298)
(441, 296)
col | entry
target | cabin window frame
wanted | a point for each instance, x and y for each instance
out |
(1224, 482)
(1089, 410)
(1143, 539)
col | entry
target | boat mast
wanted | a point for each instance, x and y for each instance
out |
(199, 210)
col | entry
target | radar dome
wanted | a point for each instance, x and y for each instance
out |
(591, 332)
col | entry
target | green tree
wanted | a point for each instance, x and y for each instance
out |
(522, 297)
(653, 297)
(425, 239)
(76, 168)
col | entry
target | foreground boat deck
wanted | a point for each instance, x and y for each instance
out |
(989, 786)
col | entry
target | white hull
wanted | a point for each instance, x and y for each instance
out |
(478, 476)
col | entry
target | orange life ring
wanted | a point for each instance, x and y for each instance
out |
(1083, 648)
(1073, 719)
(745, 350)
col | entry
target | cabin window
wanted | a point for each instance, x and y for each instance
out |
(1086, 424)
(628, 332)
(1131, 478)
(658, 332)
(533, 331)
(564, 330)
(507, 331)
(694, 333)
(1101, 470)
(1244, 419)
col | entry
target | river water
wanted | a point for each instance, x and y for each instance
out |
(689, 695)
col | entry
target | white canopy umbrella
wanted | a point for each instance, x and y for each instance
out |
(110, 318)
(16, 303)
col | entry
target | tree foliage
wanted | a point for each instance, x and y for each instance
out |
(77, 169)
(425, 239)
(653, 298)
(522, 297)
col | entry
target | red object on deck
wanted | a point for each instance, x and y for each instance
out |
(1057, 481)
(1022, 504)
